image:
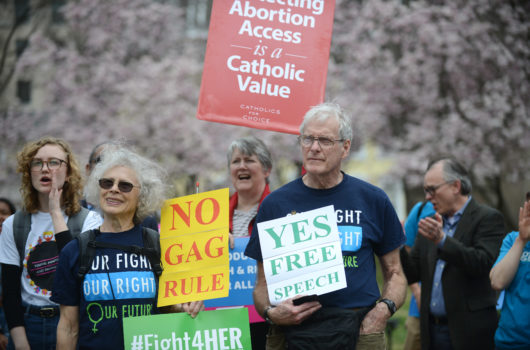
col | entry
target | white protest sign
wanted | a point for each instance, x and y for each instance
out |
(302, 254)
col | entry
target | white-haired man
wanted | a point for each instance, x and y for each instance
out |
(325, 140)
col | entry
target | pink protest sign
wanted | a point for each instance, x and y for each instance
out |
(266, 62)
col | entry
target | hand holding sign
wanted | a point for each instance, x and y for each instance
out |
(305, 299)
(289, 313)
(192, 308)
(302, 254)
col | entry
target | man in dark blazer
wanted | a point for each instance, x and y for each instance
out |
(452, 257)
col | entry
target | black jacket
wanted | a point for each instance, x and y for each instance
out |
(469, 299)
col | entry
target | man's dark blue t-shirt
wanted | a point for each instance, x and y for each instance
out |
(367, 224)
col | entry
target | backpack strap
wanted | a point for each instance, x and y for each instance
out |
(76, 221)
(420, 210)
(86, 251)
(21, 228)
(88, 246)
(151, 240)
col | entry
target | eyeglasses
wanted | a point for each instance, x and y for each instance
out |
(123, 186)
(52, 164)
(323, 142)
(431, 190)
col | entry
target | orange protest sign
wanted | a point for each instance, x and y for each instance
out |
(266, 62)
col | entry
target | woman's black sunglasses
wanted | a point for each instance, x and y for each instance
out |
(123, 186)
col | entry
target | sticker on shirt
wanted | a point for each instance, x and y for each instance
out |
(351, 238)
(41, 263)
(122, 285)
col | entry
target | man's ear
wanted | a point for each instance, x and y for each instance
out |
(458, 185)
(346, 145)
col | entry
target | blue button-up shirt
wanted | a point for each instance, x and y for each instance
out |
(437, 299)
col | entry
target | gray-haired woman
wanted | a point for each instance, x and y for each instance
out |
(250, 164)
(127, 187)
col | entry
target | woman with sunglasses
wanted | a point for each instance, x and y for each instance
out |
(51, 189)
(126, 188)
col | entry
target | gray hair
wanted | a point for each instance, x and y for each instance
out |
(250, 146)
(150, 176)
(453, 171)
(327, 110)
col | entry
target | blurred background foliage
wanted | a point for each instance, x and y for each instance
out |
(419, 78)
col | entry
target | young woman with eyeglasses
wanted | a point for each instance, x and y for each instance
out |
(51, 188)
(126, 188)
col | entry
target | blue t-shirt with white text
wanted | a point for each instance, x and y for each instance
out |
(119, 284)
(367, 224)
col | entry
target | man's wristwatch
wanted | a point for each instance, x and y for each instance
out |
(266, 314)
(391, 305)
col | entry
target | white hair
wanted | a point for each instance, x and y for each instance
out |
(327, 110)
(150, 176)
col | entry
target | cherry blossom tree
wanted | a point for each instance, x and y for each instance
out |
(124, 69)
(421, 78)
(444, 77)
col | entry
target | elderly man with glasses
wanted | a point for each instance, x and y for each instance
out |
(452, 257)
(325, 140)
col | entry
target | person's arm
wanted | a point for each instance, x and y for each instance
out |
(62, 239)
(3, 341)
(20, 340)
(54, 205)
(394, 288)
(68, 328)
(193, 308)
(503, 273)
(416, 291)
(285, 313)
(59, 224)
(12, 299)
